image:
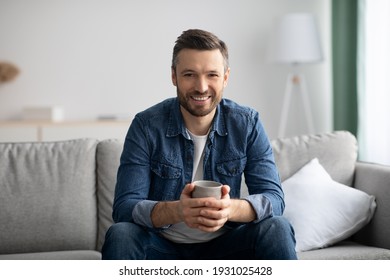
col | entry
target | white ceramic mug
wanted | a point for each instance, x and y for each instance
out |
(204, 188)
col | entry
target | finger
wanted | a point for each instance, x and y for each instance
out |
(210, 225)
(208, 229)
(214, 214)
(187, 191)
(204, 216)
(225, 190)
(218, 203)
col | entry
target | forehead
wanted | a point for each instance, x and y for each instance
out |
(200, 59)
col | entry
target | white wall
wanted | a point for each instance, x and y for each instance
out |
(96, 57)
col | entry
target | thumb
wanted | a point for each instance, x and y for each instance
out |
(187, 191)
(225, 190)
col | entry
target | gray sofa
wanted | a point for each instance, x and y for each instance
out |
(56, 197)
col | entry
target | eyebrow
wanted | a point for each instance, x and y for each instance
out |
(187, 70)
(193, 71)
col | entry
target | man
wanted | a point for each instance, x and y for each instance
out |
(198, 135)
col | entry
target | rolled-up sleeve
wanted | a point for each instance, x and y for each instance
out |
(142, 213)
(261, 205)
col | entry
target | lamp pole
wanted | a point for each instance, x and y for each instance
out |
(299, 81)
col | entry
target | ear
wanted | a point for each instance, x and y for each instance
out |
(173, 76)
(226, 77)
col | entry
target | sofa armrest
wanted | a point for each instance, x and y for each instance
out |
(374, 179)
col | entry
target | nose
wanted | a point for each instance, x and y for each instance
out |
(201, 85)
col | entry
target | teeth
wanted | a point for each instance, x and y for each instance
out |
(200, 98)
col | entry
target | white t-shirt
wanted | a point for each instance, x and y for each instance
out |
(199, 145)
(181, 233)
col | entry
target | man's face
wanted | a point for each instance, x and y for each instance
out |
(200, 79)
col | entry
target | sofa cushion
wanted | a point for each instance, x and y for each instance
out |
(48, 196)
(107, 157)
(56, 255)
(336, 151)
(322, 211)
(346, 251)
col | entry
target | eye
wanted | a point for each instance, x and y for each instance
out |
(188, 74)
(213, 75)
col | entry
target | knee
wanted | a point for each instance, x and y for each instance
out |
(279, 225)
(120, 231)
(119, 241)
(278, 240)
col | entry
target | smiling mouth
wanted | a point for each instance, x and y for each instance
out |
(200, 98)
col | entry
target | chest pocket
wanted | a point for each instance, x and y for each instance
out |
(232, 168)
(165, 171)
(165, 181)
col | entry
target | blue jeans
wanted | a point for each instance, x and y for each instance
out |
(270, 239)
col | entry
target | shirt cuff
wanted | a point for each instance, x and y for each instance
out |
(261, 205)
(142, 213)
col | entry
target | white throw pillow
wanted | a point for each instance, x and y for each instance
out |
(321, 210)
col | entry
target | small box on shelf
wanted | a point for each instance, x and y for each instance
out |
(54, 114)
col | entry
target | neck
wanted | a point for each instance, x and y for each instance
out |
(197, 125)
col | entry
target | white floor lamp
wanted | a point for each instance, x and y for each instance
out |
(295, 41)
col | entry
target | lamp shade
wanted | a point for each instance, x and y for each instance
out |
(295, 39)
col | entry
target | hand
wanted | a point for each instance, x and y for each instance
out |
(207, 214)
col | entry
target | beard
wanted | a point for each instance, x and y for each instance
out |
(198, 110)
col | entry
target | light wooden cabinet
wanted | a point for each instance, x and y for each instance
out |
(26, 131)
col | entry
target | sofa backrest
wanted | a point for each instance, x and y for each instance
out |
(337, 152)
(48, 196)
(107, 160)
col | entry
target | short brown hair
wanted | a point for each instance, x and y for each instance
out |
(197, 39)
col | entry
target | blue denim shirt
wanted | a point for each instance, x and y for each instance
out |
(157, 160)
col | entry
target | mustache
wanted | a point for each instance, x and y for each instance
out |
(195, 92)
